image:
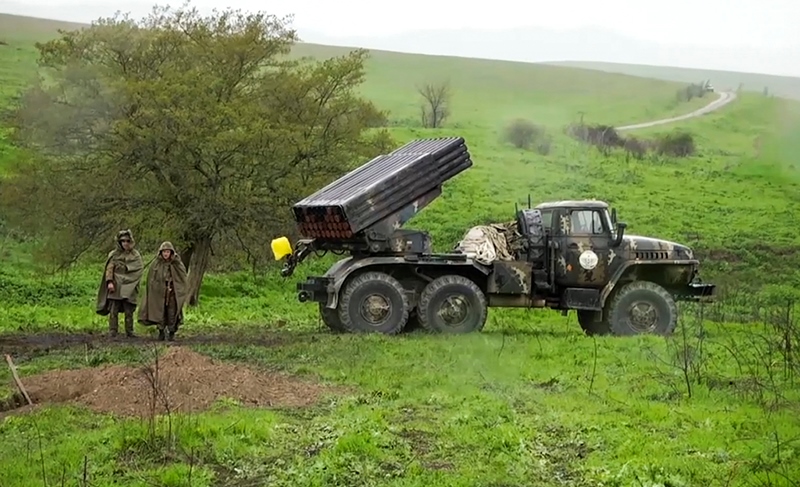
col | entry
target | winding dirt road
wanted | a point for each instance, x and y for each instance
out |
(724, 98)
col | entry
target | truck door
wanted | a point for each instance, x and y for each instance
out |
(584, 249)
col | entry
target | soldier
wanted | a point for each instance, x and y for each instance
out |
(119, 286)
(167, 291)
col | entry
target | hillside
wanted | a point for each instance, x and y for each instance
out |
(488, 93)
(784, 86)
(505, 90)
(529, 401)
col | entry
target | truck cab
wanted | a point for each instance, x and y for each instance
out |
(589, 262)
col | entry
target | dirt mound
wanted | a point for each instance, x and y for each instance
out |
(179, 380)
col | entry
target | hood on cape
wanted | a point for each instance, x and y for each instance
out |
(167, 246)
(125, 233)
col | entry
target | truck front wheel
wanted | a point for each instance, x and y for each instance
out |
(643, 307)
(373, 302)
(452, 304)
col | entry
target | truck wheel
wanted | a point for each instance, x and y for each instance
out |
(643, 307)
(591, 325)
(331, 319)
(452, 304)
(373, 302)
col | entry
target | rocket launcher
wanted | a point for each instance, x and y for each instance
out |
(362, 210)
(381, 188)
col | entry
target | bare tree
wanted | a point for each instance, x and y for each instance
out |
(435, 106)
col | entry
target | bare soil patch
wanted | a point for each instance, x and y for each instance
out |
(185, 381)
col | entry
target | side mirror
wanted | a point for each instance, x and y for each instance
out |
(620, 234)
(613, 215)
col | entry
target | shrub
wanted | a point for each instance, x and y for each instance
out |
(676, 144)
(523, 134)
(693, 90)
(606, 138)
(603, 137)
(636, 147)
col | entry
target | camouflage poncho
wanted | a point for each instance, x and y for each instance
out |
(128, 270)
(151, 311)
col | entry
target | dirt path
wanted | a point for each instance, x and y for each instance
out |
(724, 98)
(22, 345)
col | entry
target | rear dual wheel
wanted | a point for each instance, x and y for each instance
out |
(331, 319)
(377, 302)
(373, 302)
(452, 304)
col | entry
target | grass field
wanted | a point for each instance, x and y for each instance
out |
(529, 402)
(783, 86)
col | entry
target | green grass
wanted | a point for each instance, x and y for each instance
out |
(487, 93)
(520, 408)
(783, 86)
(525, 402)
(17, 52)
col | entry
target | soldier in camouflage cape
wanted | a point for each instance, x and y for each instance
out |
(167, 292)
(119, 286)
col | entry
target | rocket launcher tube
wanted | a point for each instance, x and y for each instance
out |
(379, 189)
(450, 164)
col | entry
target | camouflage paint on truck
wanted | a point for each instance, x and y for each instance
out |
(565, 255)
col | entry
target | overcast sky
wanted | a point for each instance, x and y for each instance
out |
(720, 24)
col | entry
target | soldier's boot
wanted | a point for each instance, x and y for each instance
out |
(171, 336)
(113, 323)
(129, 324)
(161, 335)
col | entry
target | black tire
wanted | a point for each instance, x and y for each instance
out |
(388, 293)
(471, 307)
(331, 319)
(591, 325)
(658, 311)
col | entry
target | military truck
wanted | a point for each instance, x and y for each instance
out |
(569, 255)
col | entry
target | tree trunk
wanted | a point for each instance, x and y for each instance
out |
(201, 257)
(186, 255)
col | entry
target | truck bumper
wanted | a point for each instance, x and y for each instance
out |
(314, 289)
(695, 291)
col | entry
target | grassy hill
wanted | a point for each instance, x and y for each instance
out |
(784, 86)
(531, 401)
(487, 93)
